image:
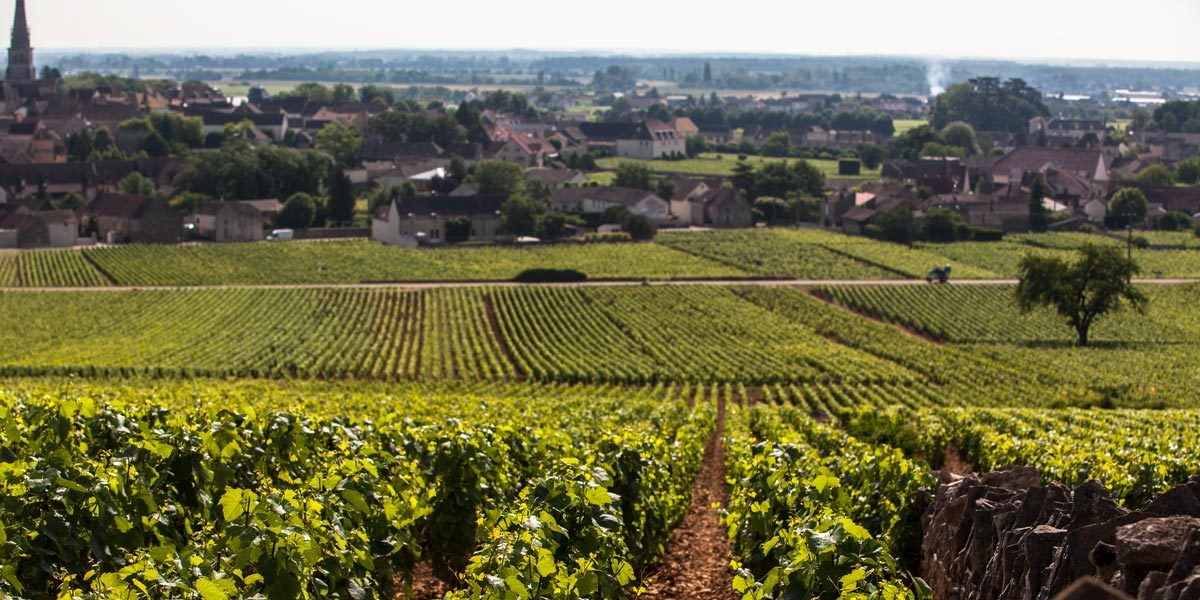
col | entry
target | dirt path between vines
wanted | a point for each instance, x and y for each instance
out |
(696, 564)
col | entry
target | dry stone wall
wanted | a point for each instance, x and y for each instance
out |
(1005, 536)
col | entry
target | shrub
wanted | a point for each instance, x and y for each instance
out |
(550, 276)
(987, 234)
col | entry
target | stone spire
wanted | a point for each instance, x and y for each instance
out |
(20, 52)
(20, 31)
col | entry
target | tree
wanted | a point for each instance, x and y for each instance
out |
(871, 156)
(341, 197)
(390, 125)
(1175, 220)
(457, 169)
(1188, 171)
(1128, 206)
(552, 226)
(784, 180)
(665, 189)
(521, 215)
(910, 143)
(155, 145)
(694, 145)
(633, 175)
(989, 105)
(298, 212)
(614, 215)
(1097, 284)
(895, 225)
(639, 228)
(72, 201)
(776, 144)
(1156, 175)
(1038, 215)
(341, 141)
(744, 178)
(103, 141)
(343, 93)
(189, 202)
(707, 73)
(80, 145)
(961, 135)
(499, 178)
(941, 225)
(137, 184)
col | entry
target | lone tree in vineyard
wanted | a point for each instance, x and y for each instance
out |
(1097, 284)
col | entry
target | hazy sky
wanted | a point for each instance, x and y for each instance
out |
(1155, 30)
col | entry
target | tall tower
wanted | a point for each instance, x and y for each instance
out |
(20, 53)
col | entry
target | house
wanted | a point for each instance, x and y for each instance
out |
(1096, 210)
(1007, 210)
(725, 208)
(268, 207)
(125, 218)
(557, 179)
(375, 149)
(604, 136)
(684, 127)
(1057, 131)
(651, 139)
(1088, 163)
(525, 149)
(229, 222)
(595, 200)
(941, 175)
(273, 124)
(426, 220)
(420, 173)
(23, 228)
(718, 134)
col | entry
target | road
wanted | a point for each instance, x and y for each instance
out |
(597, 283)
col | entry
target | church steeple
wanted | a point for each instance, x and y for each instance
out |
(20, 52)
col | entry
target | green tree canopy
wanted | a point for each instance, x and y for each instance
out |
(1156, 175)
(341, 141)
(1188, 171)
(298, 212)
(961, 135)
(1082, 291)
(633, 175)
(499, 178)
(1128, 206)
(137, 184)
(989, 105)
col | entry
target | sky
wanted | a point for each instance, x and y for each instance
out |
(1113, 30)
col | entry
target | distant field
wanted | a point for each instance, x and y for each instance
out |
(721, 165)
(903, 125)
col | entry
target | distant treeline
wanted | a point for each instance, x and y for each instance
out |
(839, 74)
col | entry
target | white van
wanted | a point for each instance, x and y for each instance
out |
(281, 234)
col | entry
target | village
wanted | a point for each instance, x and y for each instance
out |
(88, 159)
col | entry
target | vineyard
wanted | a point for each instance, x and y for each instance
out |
(363, 261)
(221, 442)
(807, 254)
(557, 493)
(762, 337)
